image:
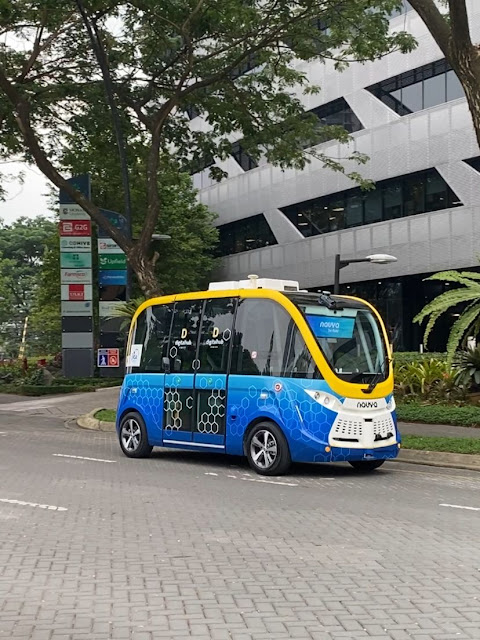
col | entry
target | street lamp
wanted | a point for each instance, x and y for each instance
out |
(377, 258)
(161, 236)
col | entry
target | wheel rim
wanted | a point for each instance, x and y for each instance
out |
(264, 449)
(131, 435)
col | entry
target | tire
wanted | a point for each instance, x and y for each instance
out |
(133, 437)
(366, 466)
(267, 450)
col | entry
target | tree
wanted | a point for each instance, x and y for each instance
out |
(469, 319)
(229, 59)
(22, 246)
(451, 31)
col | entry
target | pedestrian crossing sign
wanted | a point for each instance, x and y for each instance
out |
(108, 358)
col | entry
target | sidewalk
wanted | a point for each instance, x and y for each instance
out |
(67, 406)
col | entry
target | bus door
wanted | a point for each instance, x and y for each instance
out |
(179, 397)
(212, 364)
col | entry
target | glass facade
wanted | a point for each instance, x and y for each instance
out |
(394, 198)
(244, 235)
(241, 156)
(474, 162)
(420, 88)
(337, 113)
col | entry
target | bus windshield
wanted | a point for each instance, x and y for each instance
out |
(350, 339)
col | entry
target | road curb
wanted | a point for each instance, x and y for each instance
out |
(88, 421)
(440, 459)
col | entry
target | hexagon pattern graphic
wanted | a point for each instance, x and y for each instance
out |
(209, 421)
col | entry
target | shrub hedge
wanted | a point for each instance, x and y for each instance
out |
(466, 416)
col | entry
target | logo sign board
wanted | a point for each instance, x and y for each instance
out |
(108, 358)
(106, 245)
(77, 308)
(112, 261)
(76, 292)
(112, 277)
(72, 276)
(80, 183)
(106, 309)
(76, 260)
(331, 326)
(116, 219)
(73, 212)
(75, 227)
(82, 245)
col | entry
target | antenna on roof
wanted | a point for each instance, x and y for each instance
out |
(254, 280)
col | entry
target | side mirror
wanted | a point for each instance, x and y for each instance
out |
(166, 364)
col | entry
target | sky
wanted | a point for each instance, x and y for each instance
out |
(28, 199)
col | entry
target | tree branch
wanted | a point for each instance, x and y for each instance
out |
(435, 22)
(460, 27)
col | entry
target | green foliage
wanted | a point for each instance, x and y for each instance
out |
(106, 415)
(469, 320)
(463, 416)
(44, 390)
(127, 311)
(453, 445)
(22, 246)
(405, 357)
(467, 368)
(432, 380)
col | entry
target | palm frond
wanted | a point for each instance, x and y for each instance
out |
(444, 301)
(459, 328)
(127, 311)
(430, 324)
(461, 277)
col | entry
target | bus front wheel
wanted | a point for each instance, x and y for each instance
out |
(133, 436)
(267, 450)
(366, 466)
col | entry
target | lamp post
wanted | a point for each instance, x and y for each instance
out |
(377, 258)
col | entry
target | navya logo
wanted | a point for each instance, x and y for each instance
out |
(330, 325)
(367, 404)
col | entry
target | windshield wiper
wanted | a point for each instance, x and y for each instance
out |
(378, 376)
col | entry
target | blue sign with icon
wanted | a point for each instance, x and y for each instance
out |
(112, 277)
(331, 326)
(116, 219)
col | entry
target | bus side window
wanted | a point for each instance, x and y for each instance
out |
(299, 363)
(261, 338)
(156, 322)
(184, 334)
(215, 335)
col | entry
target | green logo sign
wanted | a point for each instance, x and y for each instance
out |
(76, 260)
(116, 261)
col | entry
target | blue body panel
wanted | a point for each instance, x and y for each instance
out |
(305, 423)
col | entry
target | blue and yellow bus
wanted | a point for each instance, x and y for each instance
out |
(258, 368)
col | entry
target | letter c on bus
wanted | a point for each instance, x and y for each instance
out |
(184, 333)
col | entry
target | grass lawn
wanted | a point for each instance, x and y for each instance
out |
(106, 415)
(468, 416)
(451, 445)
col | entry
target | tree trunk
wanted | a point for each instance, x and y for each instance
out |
(145, 271)
(467, 68)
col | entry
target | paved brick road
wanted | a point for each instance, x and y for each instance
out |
(194, 546)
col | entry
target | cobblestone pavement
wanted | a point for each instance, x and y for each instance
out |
(188, 545)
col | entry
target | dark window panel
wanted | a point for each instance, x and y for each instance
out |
(395, 198)
(215, 335)
(417, 89)
(245, 235)
(404, 8)
(242, 157)
(339, 113)
(474, 162)
(192, 112)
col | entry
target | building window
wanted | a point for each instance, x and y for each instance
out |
(420, 88)
(394, 198)
(192, 112)
(474, 162)
(200, 164)
(244, 235)
(244, 67)
(241, 156)
(404, 8)
(337, 113)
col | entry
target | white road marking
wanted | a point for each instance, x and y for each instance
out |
(211, 474)
(23, 503)
(459, 506)
(283, 484)
(64, 455)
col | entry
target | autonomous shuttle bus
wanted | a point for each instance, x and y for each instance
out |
(261, 369)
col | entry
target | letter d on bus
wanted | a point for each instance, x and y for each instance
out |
(184, 333)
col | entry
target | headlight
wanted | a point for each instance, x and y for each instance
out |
(325, 399)
(391, 404)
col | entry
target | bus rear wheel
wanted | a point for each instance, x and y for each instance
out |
(133, 436)
(267, 450)
(366, 466)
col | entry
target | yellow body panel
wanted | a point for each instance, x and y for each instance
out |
(341, 387)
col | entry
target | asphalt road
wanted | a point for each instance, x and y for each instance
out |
(187, 545)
